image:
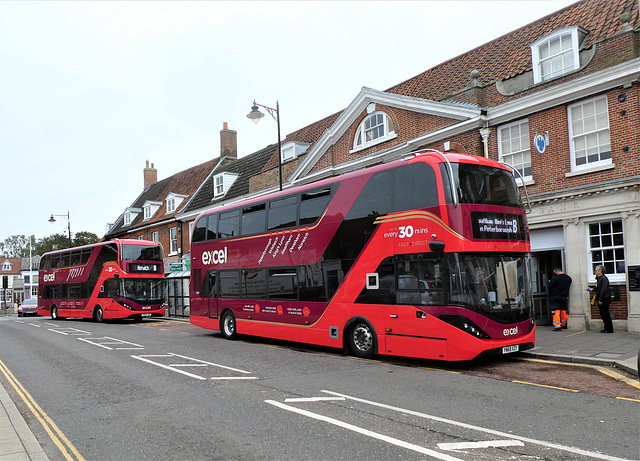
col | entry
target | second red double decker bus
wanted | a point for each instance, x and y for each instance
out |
(423, 257)
(108, 280)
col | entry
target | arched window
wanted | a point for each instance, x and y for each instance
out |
(556, 54)
(374, 129)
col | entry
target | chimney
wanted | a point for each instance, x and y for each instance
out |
(228, 142)
(150, 176)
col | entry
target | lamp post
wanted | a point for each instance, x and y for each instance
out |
(255, 115)
(67, 217)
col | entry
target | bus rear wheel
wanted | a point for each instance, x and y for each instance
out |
(54, 313)
(98, 315)
(361, 339)
(228, 325)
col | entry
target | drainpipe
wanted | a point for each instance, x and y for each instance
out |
(485, 132)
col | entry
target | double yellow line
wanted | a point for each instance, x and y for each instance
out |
(61, 441)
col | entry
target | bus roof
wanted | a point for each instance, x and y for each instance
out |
(431, 156)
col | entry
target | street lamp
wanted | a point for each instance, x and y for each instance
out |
(52, 220)
(255, 115)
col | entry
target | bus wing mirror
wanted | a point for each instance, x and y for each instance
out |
(436, 245)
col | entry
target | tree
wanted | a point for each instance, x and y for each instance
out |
(52, 242)
(85, 238)
(17, 246)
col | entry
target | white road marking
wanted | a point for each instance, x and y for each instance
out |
(543, 443)
(69, 331)
(198, 364)
(113, 342)
(138, 357)
(480, 444)
(368, 433)
(315, 399)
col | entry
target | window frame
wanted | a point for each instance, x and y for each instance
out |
(537, 62)
(173, 240)
(501, 154)
(616, 276)
(388, 133)
(296, 149)
(572, 136)
(224, 181)
(171, 204)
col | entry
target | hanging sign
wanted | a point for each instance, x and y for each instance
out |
(540, 143)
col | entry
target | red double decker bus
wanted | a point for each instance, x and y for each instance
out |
(423, 257)
(108, 280)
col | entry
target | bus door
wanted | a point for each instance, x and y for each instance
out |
(411, 330)
(209, 293)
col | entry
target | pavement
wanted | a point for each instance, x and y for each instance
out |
(619, 350)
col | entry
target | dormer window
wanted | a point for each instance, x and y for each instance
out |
(377, 127)
(222, 183)
(6, 266)
(174, 201)
(130, 215)
(557, 54)
(150, 208)
(291, 150)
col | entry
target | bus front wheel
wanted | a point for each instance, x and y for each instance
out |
(228, 325)
(54, 313)
(98, 315)
(361, 339)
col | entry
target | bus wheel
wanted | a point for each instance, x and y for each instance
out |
(228, 325)
(361, 339)
(98, 315)
(54, 313)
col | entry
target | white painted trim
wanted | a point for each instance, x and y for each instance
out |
(567, 92)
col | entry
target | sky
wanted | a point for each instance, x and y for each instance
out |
(92, 90)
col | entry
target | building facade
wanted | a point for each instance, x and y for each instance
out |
(557, 99)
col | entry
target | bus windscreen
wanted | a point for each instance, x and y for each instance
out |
(482, 185)
(140, 253)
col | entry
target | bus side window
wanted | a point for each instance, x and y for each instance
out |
(230, 284)
(312, 204)
(207, 290)
(212, 227)
(45, 263)
(200, 230)
(254, 219)
(311, 283)
(254, 283)
(76, 258)
(415, 187)
(229, 225)
(283, 284)
(282, 213)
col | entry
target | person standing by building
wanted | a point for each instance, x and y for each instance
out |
(558, 296)
(603, 298)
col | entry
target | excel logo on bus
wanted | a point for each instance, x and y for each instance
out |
(214, 257)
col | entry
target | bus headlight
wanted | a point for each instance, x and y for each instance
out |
(464, 324)
(125, 305)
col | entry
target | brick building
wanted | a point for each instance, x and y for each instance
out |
(558, 99)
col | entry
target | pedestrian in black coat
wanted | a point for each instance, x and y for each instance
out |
(603, 298)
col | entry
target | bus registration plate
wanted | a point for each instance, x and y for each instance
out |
(510, 349)
(149, 315)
